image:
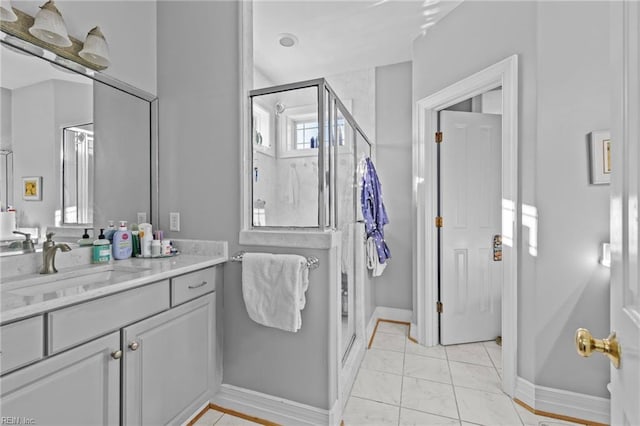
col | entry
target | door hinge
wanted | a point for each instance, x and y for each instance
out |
(439, 307)
(439, 222)
(438, 137)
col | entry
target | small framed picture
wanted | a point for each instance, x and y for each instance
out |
(600, 149)
(32, 188)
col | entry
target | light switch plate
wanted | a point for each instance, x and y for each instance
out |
(142, 217)
(174, 221)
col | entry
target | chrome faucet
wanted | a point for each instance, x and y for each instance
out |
(49, 249)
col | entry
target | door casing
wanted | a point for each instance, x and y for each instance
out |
(502, 74)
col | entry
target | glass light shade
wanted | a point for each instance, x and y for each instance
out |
(6, 12)
(49, 26)
(95, 49)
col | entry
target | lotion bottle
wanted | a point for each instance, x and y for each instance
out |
(122, 245)
(145, 232)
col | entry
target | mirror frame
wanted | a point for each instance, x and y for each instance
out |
(49, 56)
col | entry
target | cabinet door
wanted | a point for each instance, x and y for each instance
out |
(168, 364)
(77, 387)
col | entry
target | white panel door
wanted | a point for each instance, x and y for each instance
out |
(625, 193)
(470, 192)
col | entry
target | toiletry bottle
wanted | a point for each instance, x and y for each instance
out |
(135, 240)
(101, 249)
(85, 240)
(156, 248)
(145, 232)
(111, 229)
(122, 245)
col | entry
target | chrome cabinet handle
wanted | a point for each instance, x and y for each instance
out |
(202, 284)
(134, 346)
(116, 354)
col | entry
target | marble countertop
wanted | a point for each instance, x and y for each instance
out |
(31, 294)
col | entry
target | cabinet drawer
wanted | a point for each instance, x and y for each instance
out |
(21, 343)
(70, 326)
(194, 284)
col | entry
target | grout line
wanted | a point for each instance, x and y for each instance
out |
(404, 361)
(453, 386)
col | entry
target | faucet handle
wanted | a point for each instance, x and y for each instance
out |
(49, 236)
(26, 235)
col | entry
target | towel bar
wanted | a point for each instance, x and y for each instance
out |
(312, 261)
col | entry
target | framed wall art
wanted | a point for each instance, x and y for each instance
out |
(32, 188)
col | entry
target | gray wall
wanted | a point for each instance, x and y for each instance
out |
(199, 118)
(562, 97)
(393, 164)
(573, 99)
(198, 87)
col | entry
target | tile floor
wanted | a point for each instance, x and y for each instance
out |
(401, 383)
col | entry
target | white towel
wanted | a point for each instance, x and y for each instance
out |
(373, 260)
(273, 287)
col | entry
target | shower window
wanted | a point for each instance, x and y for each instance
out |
(306, 134)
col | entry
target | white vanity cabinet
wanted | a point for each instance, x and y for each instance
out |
(77, 387)
(168, 364)
(141, 356)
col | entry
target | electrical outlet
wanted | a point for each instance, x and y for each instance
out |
(142, 217)
(174, 221)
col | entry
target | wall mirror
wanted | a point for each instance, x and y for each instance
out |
(79, 148)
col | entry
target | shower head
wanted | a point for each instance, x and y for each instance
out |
(280, 108)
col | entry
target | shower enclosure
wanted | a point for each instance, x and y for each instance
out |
(307, 151)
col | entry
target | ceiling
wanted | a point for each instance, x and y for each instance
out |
(337, 36)
(21, 69)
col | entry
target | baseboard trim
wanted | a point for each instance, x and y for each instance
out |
(562, 404)
(276, 410)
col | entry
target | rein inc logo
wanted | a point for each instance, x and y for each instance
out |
(15, 420)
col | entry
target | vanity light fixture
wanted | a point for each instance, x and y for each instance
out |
(95, 48)
(50, 27)
(6, 12)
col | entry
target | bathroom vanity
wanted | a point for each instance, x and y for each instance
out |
(131, 342)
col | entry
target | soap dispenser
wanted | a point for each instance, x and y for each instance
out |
(122, 245)
(101, 249)
(85, 240)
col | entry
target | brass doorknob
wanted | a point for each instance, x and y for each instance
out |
(586, 344)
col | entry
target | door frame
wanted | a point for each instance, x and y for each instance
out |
(505, 74)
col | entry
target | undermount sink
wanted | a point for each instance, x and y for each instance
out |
(39, 284)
